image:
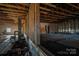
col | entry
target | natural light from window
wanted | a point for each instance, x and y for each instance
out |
(8, 30)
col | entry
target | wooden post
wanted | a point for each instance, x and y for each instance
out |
(19, 27)
(34, 23)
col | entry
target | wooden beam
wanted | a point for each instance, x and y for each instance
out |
(43, 16)
(53, 19)
(47, 13)
(12, 10)
(47, 21)
(49, 10)
(4, 19)
(50, 21)
(25, 4)
(6, 11)
(48, 17)
(73, 5)
(13, 6)
(17, 15)
(34, 23)
(54, 6)
(52, 16)
(12, 13)
(3, 22)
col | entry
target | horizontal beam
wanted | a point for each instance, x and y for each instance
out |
(47, 13)
(51, 11)
(44, 19)
(11, 10)
(52, 16)
(17, 7)
(3, 22)
(47, 17)
(25, 4)
(77, 7)
(4, 19)
(59, 8)
(50, 21)
(12, 13)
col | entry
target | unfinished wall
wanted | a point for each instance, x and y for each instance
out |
(71, 25)
(53, 27)
(8, 25)
(42, 27)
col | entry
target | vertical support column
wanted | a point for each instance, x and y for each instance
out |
(27, 23)
(34, 23)
(19, 27)
(76, 25)
(24, 24)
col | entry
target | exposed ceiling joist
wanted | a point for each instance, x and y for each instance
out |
(47, 21)
(49, 10)
(25, 4)
(12, 13)
(3, 22)
(12, 10)
(43, 19)
(6, 20)
(47, 13)
(47, 17)
(62, 9)
(13, 6)
(73, 6)
(53, 16)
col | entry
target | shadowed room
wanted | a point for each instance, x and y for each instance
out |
(39, 29)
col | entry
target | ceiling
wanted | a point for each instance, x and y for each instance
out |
(57, 12)
(10, 12)
(49, 12)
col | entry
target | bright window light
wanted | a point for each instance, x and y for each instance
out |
(8, 29)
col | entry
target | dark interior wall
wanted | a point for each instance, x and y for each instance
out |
(53, 27)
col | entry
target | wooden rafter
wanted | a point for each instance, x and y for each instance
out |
(3, 22)
(25, 4)
(47, 17)
(49, 10)
(62, 9)
(47, 21)
(14, 6)
(47, 13)
(52, 16)
(12, 13)
(12, 10)
(73, 6)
